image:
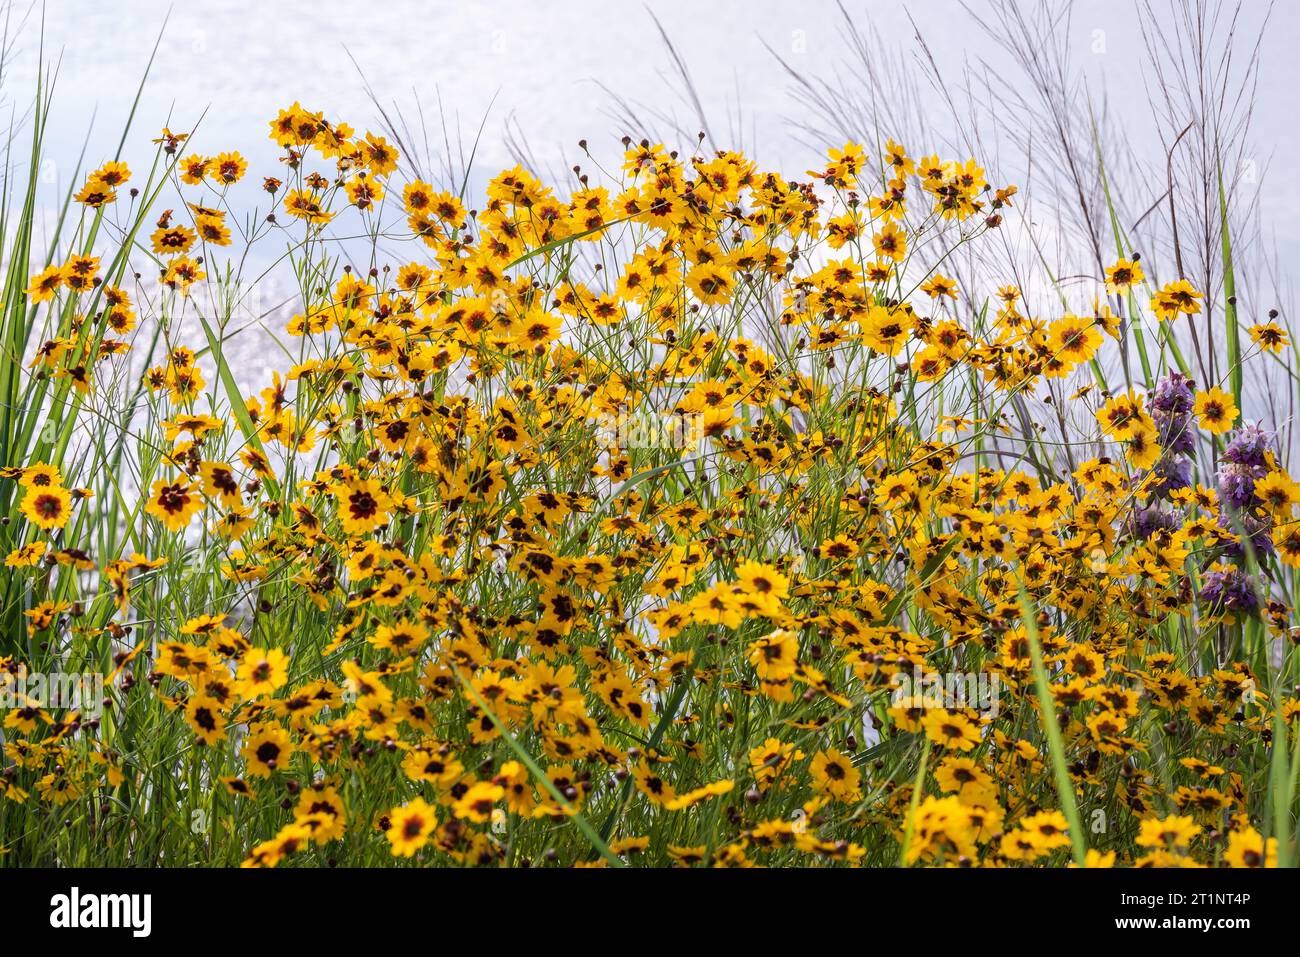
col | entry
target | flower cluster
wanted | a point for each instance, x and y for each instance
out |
(411, 601)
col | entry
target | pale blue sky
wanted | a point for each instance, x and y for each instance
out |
(547, 70)
(544, 64)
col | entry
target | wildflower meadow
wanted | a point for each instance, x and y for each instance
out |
(667, 511)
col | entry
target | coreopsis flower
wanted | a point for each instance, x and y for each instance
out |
(96, 192)
(193, 168)
(699, 795)
(951, 729)
(1269, 336)
(886, 330)
(38, 475)
(1123, 416)
(379, 155)
(227, 168)
(758, 579)
(770, 761)
(322, 811)
(27, 556)
(955, 773)
(47, 506)
(939, 286)
(263, 672)
(403, 637)
(834, 774)
(112, 174)
(711, 282)
(1215, 410)
(775, 656)
(652, 785)
(1246, 848)
(941, 826)
(203, 714)
(844, 166)
(305, 205)
(1143, 447)
(172, 240)
(890, 243)
(1278, 493)
(220, 484)
(183, 272)
(475, 805)
(267, 750)
(80, 273)
(1073, 340)
(45, 284)
(1174, 832)
(58, 788)
(174, 503)
(1123, 275)
(212, 230)
(363, 505)
(409, 827)
(1049, 828)
(364, 192)
(1175, 299)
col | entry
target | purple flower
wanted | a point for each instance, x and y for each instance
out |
(1249, 526)
(1173, 395)
(1172, 401)
(1247, 446)
(1237, 484)
(1175, 432)
(1148, 521)
(1228, 590)
(1172, 473)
